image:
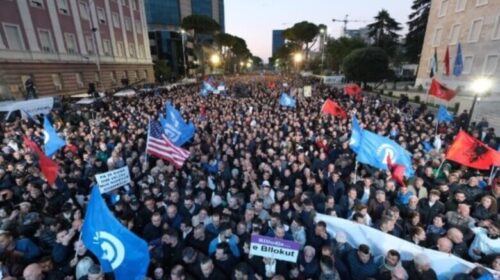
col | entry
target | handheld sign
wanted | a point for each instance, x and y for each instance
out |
(113, 179)
(270, 247)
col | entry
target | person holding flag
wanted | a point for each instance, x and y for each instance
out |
(52, 141)
(287, 101)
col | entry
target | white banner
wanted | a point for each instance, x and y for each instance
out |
(445, 265)
(113, 179)
(30, 107)
(307, 91)
(269, 247)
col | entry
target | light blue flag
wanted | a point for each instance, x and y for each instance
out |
(287, 101)
(52, 141)
(356, 134)
(443, 115)
(118, 249)
(176, 129)
(458, 66)
(374, 150)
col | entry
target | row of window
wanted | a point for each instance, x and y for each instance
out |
(133, 75)
(63, 5)
(460, 6)
(101, 16)
(474, 35)
(15, 42)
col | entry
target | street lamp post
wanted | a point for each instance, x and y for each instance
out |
(322, 32)
(215, 60)
(480, 86)
(297, 58)
(183, 33)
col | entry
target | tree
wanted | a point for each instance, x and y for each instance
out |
(416, 29)
(365, 65)
(337, 49)
(200, 25)
(303, 34)
(384, 32)
(163, 72)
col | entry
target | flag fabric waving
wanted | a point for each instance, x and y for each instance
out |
(356, 134)
(397, 171)
(332, 108)
(446, 62)
(287, 101)
(443, 115)
(374, 150)
(52, 141)
(174, 126)
(160, 146)
(49, 168)
(440, 91)
(117, 248)
(352, 89)
(471, 152)
(458, 66)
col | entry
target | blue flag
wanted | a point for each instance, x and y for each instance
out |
(443, 115)
(356, 134)
(287, 101)
(206, 88)
(374, 150)
(458, 66)
(118, 249)
(52, 141)
(176, 129)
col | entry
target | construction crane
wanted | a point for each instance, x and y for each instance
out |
(345, 21)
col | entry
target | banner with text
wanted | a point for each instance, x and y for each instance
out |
(29, 108)
(445, 265)
(307, 91)
(269, 247)
(113, 179)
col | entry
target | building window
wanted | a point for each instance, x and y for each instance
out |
(107, 47)
(116, 20)
(131, 50)
(443, 8)
(468, 61)
(460, 6)
(112, 76)
(36, 3)
(137, 75)
(454, 34)
(84, 11)
(70, 43)
(475, 30)
(145, 74)
(481, 2)
(141, 52)
(97, 79)
(13, 36)
(134, 4)
(138, 26)
(62, 6)
(46, 41)
(101, 15)
(490, 64)
(89, 44)
(79, 80)
(496, 29)
(119, 48)
(436, 39)
(124, 2)
(128, 24)
(56, 80)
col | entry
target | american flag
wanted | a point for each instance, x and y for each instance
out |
(160, 146)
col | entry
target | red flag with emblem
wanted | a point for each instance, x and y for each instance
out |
(49, 168)
(332, 108)
(440, 91)
(471, 152)
(352, 89)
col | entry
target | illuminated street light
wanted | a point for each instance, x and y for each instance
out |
(215, 59)
(297, 57)
(479, 86)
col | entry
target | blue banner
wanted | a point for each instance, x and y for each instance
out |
(287, 101)
(174, 126)
(52, 141)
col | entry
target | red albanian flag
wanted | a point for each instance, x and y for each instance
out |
(471, 152)
(49, 168)
(332, 108)
(440, 91)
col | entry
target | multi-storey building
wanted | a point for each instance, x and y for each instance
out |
(63, 45)
(167, 42)
(278, 40)
(475, 24)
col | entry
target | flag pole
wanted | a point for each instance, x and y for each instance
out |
(356, 171)
(147, 138)
(439, 168)
(493, 173)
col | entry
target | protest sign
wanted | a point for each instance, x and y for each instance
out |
(307, 91)
(269, 247)
(114, 179)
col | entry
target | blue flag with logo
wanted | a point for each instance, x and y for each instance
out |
(458, 66)
(355, 140)
(117, 248)
(374, 150)
(52, 141)
(287, 101)
(443, 115)
(176, 129)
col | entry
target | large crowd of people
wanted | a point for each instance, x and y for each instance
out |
(255, 168)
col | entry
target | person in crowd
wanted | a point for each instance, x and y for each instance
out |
(362, 263)
(420, 268)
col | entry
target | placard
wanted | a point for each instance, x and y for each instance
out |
(114, 179)
(278, 249)
(307, 91)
